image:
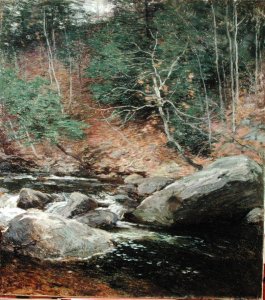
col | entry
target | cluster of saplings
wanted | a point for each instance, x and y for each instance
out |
(184, 62)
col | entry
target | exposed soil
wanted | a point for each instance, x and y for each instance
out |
(110, 145)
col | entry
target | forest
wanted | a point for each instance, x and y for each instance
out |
(140, 126)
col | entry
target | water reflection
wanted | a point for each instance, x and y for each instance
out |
(146, 261)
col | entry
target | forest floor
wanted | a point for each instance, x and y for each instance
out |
(112, 147)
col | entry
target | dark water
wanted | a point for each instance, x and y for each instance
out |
(220, 262)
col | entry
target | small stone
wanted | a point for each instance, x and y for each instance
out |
(133, 179)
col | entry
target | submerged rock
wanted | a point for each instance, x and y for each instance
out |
(29, 198)
(100, 218)
(51, 237)
(225, 191)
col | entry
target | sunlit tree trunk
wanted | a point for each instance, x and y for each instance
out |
(257, 53)
(217, 63)
(232, 81)
(209, 121)
(50, 55)
(236, 66)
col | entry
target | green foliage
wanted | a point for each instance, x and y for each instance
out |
(126, 59)
(172, 42)
(34, 110)
(23, 21)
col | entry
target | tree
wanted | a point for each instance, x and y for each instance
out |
(23, 21)
(179, 70)
(156, 73)
(31, 111)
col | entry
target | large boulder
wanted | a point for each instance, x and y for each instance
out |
(225, 191)
(29, 198)
(52, 237)
(150, 185)
(7, 214)
(76, 204)
(100, 218)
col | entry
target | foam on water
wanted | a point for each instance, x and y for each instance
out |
(9, 201)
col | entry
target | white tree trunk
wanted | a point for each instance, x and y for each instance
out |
(217, 63)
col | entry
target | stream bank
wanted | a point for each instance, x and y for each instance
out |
(146, 260)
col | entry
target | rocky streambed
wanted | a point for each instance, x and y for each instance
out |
(201, 235)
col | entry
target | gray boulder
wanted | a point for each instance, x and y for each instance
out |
(127, 202)
(7, 214)
(51, 237)
(255, 216)
(150, 185)
(76, 204)
(133, 179)
(167, 169)
(225, 191)
(100, 218)
(29, 198)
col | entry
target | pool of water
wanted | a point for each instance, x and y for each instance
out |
(220, 262)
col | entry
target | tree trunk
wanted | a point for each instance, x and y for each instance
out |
(231, 71)
(217, 63)
(170, 138)
(209, 121)
(50, 55)
(236, 67)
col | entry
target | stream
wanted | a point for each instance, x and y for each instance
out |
(146, 261)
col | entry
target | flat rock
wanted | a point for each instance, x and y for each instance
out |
(150, 185)
(51, 237)
(100, 218)
(133, 179)
(167, 169)
(225, 191)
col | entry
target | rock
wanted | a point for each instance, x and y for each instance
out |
(100, 218)
(58, 197)
(7, 214)
(52, 237)
(255, 216)
(117, 154)
(65, 167)
(129, 189)
(133, 179)
(16, 164)
(167, 169)
(150, 185)
(245, 122)
(3, 190)
(76, 204)
(29, 198)
(126, 202)
(225, 191)
(256, 135)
